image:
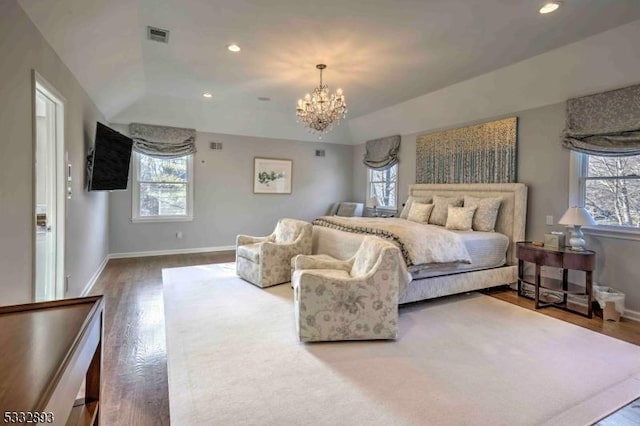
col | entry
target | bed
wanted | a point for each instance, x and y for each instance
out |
(492, 254)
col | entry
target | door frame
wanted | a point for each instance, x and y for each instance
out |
(40, 84)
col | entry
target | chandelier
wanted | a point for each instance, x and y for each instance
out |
(320, 111)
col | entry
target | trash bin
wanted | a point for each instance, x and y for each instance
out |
(611, 301)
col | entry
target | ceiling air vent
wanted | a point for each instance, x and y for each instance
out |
(158, 34)
(319, 152)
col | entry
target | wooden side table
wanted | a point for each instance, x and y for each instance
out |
(563, 258)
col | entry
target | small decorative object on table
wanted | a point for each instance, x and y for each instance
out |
(554, 240)
(577, 217)
(373, 202)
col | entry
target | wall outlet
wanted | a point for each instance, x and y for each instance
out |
(549, 220)
(179, 235)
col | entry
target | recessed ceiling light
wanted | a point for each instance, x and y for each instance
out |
(233, 48)
(207, 95)
(549, 7)
(264, 98)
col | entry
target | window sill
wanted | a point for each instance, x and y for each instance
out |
(621, 233)
(161, 219)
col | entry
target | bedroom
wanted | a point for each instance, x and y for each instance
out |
(581, 49)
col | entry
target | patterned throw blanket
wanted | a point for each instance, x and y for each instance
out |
(420, 244)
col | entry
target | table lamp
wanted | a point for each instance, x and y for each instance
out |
(373, 202)
(576, 217)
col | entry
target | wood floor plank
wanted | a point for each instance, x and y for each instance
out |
(135, 388)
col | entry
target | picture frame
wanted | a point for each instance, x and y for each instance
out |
(272, 175)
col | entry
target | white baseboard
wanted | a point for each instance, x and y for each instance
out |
(631, 315)
(87, 289)
(169, 252)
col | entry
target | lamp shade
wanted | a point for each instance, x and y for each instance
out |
(576, 216)
(373, 202)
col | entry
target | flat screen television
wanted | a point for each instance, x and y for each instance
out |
(108, 162)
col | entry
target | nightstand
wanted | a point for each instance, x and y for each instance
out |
(565, 259)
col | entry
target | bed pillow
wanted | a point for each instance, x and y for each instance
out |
(460, 218)
(347, 209)
(486, 212)
(407, 206)
(440, 209)
(420, 212)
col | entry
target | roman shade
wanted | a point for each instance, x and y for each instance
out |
(606, 124)
(382, 153)
(162, 141)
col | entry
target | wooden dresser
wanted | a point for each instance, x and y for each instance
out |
(48, 350)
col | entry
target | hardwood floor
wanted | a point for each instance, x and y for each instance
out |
(135, 388)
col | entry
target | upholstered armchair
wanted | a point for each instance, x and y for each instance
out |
(266, 261)
(355, 299)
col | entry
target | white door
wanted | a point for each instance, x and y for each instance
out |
(49, 193)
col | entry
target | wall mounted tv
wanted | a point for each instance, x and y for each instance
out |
(108, 162)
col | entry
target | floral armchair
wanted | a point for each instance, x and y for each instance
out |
(266, 261)
(355, 299)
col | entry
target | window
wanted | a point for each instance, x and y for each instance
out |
(163, 188)
(609, 187)
(383, 184)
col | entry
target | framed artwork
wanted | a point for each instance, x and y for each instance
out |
(483, 153)
(272, 175)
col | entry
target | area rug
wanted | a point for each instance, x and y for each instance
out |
(234, 359)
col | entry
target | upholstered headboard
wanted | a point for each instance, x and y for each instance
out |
(512, 216)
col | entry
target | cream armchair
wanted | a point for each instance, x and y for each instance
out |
(355, 299)
(266, 261)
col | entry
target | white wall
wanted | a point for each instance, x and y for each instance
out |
(22, 48)
(225, 204)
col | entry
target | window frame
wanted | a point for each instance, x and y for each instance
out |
(135, 195)
(369, 182)
(577, 194)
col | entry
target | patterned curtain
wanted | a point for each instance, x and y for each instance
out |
(606, 124)
(161, 141)
(382, 153)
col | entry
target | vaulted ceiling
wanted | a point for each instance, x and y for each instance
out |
(381, 52)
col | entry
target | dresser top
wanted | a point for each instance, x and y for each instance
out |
(36, 340)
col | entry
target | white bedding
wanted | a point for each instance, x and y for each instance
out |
(487, 250)
(420, 244)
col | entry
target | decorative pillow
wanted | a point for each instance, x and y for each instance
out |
(460, 218)
(486, 213)
(440, 208)
(346, 209)
(334, 209)
(407, 206)
(420, 212)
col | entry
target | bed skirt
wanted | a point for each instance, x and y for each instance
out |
(429, 288)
